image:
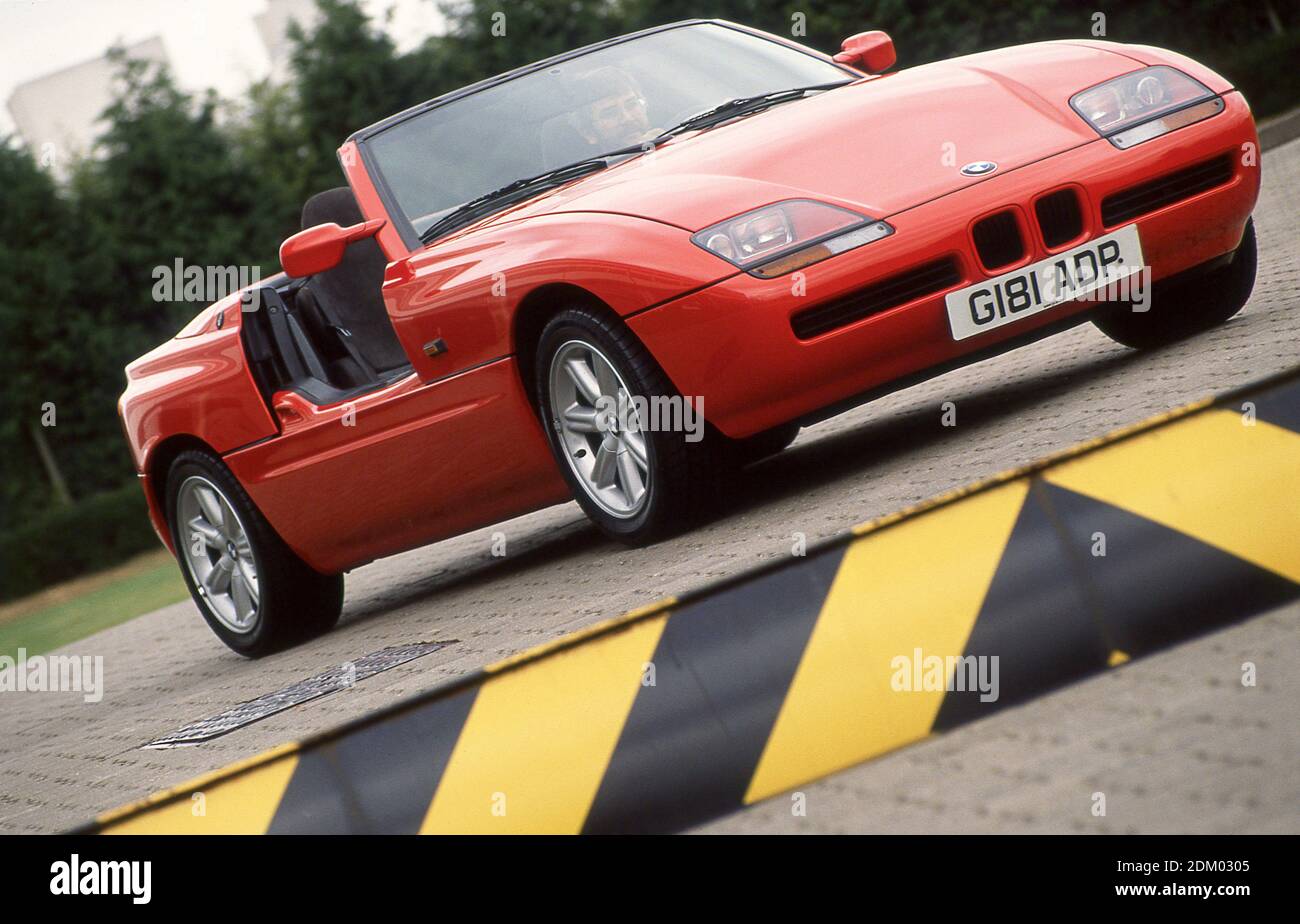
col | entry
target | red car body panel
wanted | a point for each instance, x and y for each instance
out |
(825, 147)
(468, 289)
(457, 445)
(193, 387)
(421, 462)
(363, 188)
(711, 342)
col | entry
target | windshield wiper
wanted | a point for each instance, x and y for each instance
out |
(530, 186)
(513, 192)
(744, 105)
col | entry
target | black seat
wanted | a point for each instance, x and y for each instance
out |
(349, 295)
(337, 352)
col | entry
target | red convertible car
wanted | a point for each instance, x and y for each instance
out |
(615, 273)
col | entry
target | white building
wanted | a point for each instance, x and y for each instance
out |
(220, 44)
(273, 27)
(58, 115)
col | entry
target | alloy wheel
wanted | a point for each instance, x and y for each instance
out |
(594, 415)
(218, 555)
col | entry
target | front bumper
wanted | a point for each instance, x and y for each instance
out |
(733, 343)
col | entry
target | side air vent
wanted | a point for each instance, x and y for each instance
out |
(997, 240)
(904, 287)
(1059, 217)
(1127, 204)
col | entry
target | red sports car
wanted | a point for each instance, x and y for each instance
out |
(612, 274)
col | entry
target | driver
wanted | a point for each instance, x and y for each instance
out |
(611, 111)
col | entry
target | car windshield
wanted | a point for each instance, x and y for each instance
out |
(614, 97)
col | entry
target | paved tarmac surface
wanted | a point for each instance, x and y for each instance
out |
(1175, 742)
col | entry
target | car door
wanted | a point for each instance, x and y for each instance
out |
(451, 447)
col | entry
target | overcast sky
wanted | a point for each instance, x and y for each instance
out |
(209, 42)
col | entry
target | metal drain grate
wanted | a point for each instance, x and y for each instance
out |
(334, 679)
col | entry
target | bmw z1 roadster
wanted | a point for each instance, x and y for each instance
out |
(701, 220)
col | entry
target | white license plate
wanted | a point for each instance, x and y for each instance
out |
(1006, 299)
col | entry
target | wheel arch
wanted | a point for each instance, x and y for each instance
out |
(154, 480)
(537, 308)
(530, 318)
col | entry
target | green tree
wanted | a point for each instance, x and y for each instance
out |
(487, 37)
(268, 144)
(42, 337)
(347, 74)
(166, 186)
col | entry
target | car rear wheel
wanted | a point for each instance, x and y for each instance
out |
(1188, 303)
(636, 481)
(252, 590)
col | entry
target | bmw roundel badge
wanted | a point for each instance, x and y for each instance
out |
(979, 168)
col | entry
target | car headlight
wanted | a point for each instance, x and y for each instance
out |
(786, 236)
(1145, 104)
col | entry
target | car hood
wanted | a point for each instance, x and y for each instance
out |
(881, 145)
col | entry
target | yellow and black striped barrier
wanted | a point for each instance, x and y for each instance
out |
(909, 625)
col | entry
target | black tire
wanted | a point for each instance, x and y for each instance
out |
(295, 602)
(683, 476)
(1188, 303)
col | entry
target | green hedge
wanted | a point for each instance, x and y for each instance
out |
(67, 542)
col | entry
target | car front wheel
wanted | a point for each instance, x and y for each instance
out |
(252, 590)
(640, 462)
(1188, 303)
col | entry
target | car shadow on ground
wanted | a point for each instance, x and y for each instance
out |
(820, 462)
(529, 549)
(812, 465)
